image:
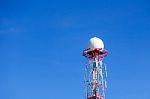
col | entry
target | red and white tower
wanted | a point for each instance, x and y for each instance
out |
(96, 74)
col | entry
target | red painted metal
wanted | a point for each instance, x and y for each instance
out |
(95, 54)
(91, 53)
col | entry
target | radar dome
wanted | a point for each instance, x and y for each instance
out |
(95, 43)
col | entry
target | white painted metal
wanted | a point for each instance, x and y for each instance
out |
(95, 43)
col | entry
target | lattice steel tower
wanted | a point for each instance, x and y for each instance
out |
(96, 74)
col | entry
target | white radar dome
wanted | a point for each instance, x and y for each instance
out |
(95, 43)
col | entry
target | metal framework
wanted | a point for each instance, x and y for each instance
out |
(96, 73)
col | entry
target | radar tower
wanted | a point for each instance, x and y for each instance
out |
(96, 74)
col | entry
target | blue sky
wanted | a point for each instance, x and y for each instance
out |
(41, 44)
